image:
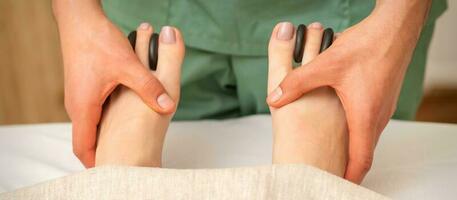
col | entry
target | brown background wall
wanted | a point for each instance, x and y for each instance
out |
(31, 77)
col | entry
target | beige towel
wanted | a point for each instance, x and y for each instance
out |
(266, 182)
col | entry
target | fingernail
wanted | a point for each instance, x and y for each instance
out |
(315, 25)
(168, 35)
(144, 26)
(165, 101)
(286, 31)
(275, 95)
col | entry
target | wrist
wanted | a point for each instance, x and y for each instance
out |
(405, 17)
(77, 11)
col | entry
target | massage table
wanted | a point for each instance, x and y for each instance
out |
(413, 160)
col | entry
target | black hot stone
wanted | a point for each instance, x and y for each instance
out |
(327, 39)
(153, 51)
(300, 39)
(153, 48)
(132, 39)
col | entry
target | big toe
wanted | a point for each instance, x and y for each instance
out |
(170, 59)
(280, 51)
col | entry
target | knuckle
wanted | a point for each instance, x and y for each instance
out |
(78, 152)
(291, 82)
(366, 163)
(335, 57)
(68, 105)
(151, 84)
(393, 108)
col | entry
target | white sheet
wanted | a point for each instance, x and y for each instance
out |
(413, 160)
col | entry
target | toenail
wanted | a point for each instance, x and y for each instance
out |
(168, 35)
(286, 31)
(144, 26)
(315, 25)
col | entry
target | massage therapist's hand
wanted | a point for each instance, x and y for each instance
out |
(365, 65)
(98, 57)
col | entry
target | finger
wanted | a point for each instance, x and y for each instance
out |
(280, 52)
(138, 78)
(84, 130)
(319, 72)
(144, 32)
(171, 56)
(313, 42)
(361, 149)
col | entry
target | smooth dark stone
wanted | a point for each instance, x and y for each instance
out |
(153, 51)
(327, 39)
(153, 48)
(132, 39)
(299, 43)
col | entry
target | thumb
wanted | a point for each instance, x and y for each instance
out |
(148, 87)
(300, 81)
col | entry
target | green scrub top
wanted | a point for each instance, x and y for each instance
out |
(225, 69)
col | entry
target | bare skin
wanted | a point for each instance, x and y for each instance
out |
(97, 58)
(389, 36)
(366, 66)
(130, 132)
(312, 129)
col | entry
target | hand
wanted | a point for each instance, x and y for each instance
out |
(130, 133)
(311, 130)
(97, 58)
(365, 65)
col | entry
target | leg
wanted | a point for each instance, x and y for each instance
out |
(130, 133)
(313, 129)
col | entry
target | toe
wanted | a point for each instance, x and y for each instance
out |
(280, 52)
(144, 32)
(313, 42)
(171, 55)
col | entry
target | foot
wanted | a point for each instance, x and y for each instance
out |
(313, 129)
(130, 133)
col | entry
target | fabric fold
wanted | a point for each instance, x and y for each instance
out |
(263, 182)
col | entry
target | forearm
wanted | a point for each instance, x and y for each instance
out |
(404, 18)
(79, 22)
(74, 12)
